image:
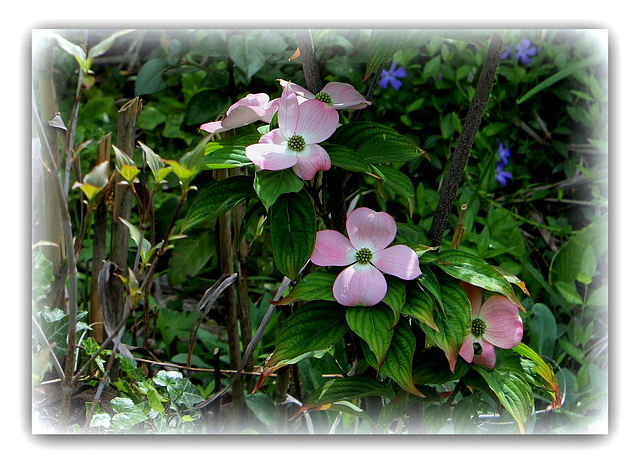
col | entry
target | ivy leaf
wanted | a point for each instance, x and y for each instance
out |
(293, 232)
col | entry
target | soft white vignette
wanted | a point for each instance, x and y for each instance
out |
(267, 451)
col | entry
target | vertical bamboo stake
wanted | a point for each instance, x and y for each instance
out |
(99, 248)
(226, 262)
(127, 116)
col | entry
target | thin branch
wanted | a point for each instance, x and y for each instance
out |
(461, 154)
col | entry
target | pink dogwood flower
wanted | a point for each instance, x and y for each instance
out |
(294, 144)
(337, 95)
(494, 323)
(251, 108)
(367, 256)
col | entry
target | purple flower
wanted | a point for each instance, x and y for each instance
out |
(523, 52)
(503, 154)
(391, 76)
(503, 160)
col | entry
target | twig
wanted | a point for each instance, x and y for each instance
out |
(457, 236)
(469, 129)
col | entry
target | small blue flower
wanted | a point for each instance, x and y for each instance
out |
(503, 154)
(523, 52)
(391, 76)
(502, 176)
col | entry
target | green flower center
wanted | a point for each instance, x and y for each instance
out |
(296, 143)
(478, 327)
(364, 255)
(324, 97)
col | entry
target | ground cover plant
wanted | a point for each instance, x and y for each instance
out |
(325, 231)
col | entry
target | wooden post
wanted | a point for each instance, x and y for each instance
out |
(99, 248)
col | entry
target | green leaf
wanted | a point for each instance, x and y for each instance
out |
(314, 286)
(345, 158)
(419, 306)
(373, 324)
(269, 185)
(565, 72)
(512, 391)
(355, 134)
(541, 369)
(429, 284)
(395, 297)
(384, 43)
(149, 79)
(315, 326)
(376, 152)
(205, 106)
(345, 389)
(453, 323)
(227, 157)
(263, 407)
(293, 232)
(399, 182)
(399, 362)
(542, 330)
(76, 51)
(103, 46)
(245, 52)
(181, 391)
(134, 234)
(190, 255)
(217, 199)
(587, 266)
(471, 269)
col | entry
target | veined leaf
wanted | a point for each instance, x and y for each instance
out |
(395, 297)
(293, 232)
(399, 182)
(399, 362)
(217, 199)
(269, 185)
(345, 158)
(103, 46)
(473, 270)
(383, 44)
(453, 323)
(419, 306)
(542, 369)
(373, 324)
(315, 326)
(345, 389)
(512, 391)
(314, 286)
(355, 134)
(376, 152)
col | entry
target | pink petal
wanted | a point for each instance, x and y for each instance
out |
(504, 325)
(316, 121)
(466, 351)
(288, 111)
(398, 260)
(374, 230)
(242, 116)
(487, 357)
(345, 96)
(257, 100)
(332, 248)
(270, 156)
(276, 136)
(360, 284)
(270, 109)
(475, 297)
(212, 127)
(312, 159)
(297, 89)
